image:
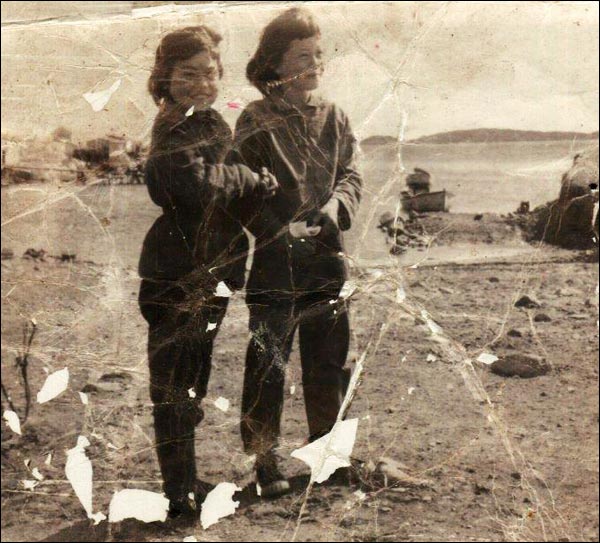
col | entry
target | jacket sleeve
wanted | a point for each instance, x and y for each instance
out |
(251, 143)
(348, 185)
(178, 177)
(251, 148)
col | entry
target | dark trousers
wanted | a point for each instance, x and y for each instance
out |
(324, 343)
(179, 352)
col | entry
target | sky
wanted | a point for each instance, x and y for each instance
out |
(400, 69)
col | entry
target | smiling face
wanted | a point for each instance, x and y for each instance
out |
(194, 82)
(301, 67)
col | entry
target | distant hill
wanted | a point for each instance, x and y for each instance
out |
(379, 140)
(501, 135)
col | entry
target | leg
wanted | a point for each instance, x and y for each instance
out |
(179, 350)
(213, 312)
(175, 413)
(324, 343)
(272, 328)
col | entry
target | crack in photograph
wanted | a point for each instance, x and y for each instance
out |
(300, 271)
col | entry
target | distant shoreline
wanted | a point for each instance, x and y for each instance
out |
(485, 135)
(412, 143)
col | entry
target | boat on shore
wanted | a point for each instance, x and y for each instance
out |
(424, 201)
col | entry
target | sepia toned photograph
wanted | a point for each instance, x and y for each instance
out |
(300, 271)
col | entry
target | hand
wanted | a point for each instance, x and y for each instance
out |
(267, 183)
(331, 209)
(326, 218)
(302, 230)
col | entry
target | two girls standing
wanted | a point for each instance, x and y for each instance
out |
(303, 148)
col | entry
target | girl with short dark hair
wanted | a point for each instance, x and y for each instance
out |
(295, 281)
(195, 250)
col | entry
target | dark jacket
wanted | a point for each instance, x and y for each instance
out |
(200, 197)
(312, 155)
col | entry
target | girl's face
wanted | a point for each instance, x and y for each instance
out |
(194, 82)
(301, 67)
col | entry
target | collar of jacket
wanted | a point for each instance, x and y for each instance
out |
(278, 102)
(175, 116)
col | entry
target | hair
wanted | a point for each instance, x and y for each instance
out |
(292, 24)
(177, 46)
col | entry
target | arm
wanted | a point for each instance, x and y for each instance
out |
(251, 144)
(251, 148)
(347, 191)
(177, 176)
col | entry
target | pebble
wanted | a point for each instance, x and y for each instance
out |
(527, 302)
(520, 365)
(90, 388)
(567, 292)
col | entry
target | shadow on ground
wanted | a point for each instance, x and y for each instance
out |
(135, 530)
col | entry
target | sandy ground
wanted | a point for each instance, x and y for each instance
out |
(509, 458)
